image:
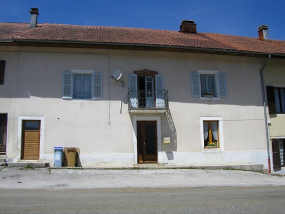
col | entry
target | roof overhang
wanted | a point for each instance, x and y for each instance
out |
(130, 46)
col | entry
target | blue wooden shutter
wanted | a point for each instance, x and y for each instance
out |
(67, 86)
(222, 78)
(133, 93)
(160, 103)
(195, 84)
(97, 85)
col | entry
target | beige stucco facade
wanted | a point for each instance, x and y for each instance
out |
(105, 131)
(274, 75)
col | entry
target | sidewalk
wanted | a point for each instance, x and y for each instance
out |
(46, 178)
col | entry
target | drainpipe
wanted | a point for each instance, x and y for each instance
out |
(265, 113)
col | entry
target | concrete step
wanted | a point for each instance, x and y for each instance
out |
(248, 167)
(27, 164)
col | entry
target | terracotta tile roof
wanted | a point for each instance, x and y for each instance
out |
(138, 36)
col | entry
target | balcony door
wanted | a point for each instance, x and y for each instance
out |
(146, 91)
(149, 92)
(147, 141)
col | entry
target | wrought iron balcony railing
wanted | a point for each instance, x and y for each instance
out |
(150, 100)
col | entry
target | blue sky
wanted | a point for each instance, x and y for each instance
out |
(234, 17)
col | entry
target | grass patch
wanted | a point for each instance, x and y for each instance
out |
(28, 167)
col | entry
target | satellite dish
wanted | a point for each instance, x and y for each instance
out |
(117, 74)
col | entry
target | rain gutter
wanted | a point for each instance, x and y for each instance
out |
(265, 113)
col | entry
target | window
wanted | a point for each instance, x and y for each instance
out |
(208, 84)
(82, 85)
(276, 99)
(211, 134)
(2, 71)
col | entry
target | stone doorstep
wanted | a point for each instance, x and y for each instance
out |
(33, 164)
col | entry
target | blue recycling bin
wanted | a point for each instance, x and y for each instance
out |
(58, 151)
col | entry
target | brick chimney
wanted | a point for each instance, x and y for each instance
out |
(34, 17)
(188, 26)
(263, 32)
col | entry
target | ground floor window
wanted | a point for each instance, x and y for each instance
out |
(211, 134)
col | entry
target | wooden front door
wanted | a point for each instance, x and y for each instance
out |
(31, 140)
(3, 133)
(147, 141)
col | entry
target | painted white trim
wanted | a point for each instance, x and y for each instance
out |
(82, 71)
(207, 98)
(221, 134)
(278, 85)
(280, 115)
(20, 122)
(281, 137)
(158, 129)
(216, 81)
(207, 72)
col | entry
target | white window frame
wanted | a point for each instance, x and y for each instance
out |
(205, 72)
(221, 134)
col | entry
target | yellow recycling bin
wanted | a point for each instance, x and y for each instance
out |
(71, 156)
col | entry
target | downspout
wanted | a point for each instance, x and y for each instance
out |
(265, 113)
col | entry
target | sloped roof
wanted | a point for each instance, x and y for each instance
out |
(137, 37)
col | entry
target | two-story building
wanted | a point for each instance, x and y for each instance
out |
(128, 96)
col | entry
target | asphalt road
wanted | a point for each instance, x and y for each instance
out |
(220, 200)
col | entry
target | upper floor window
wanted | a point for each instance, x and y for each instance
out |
(276, 99)
(208, 84)
(82, 85)
(2, 71)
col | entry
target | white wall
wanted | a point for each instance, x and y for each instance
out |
(103, 129)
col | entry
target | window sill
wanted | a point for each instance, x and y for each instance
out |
(213, 149)
(280, 114)
(209, 98)
(82, 100)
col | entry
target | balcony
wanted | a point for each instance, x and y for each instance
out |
(145, 101)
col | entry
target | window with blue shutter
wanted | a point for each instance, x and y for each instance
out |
(195, 80)
(97, 85)
(222, 84)
(82, 85)
(208, 84)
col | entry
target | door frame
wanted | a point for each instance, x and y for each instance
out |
(143, 148)
(5, 134)
(20, 134)
(158, 134)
